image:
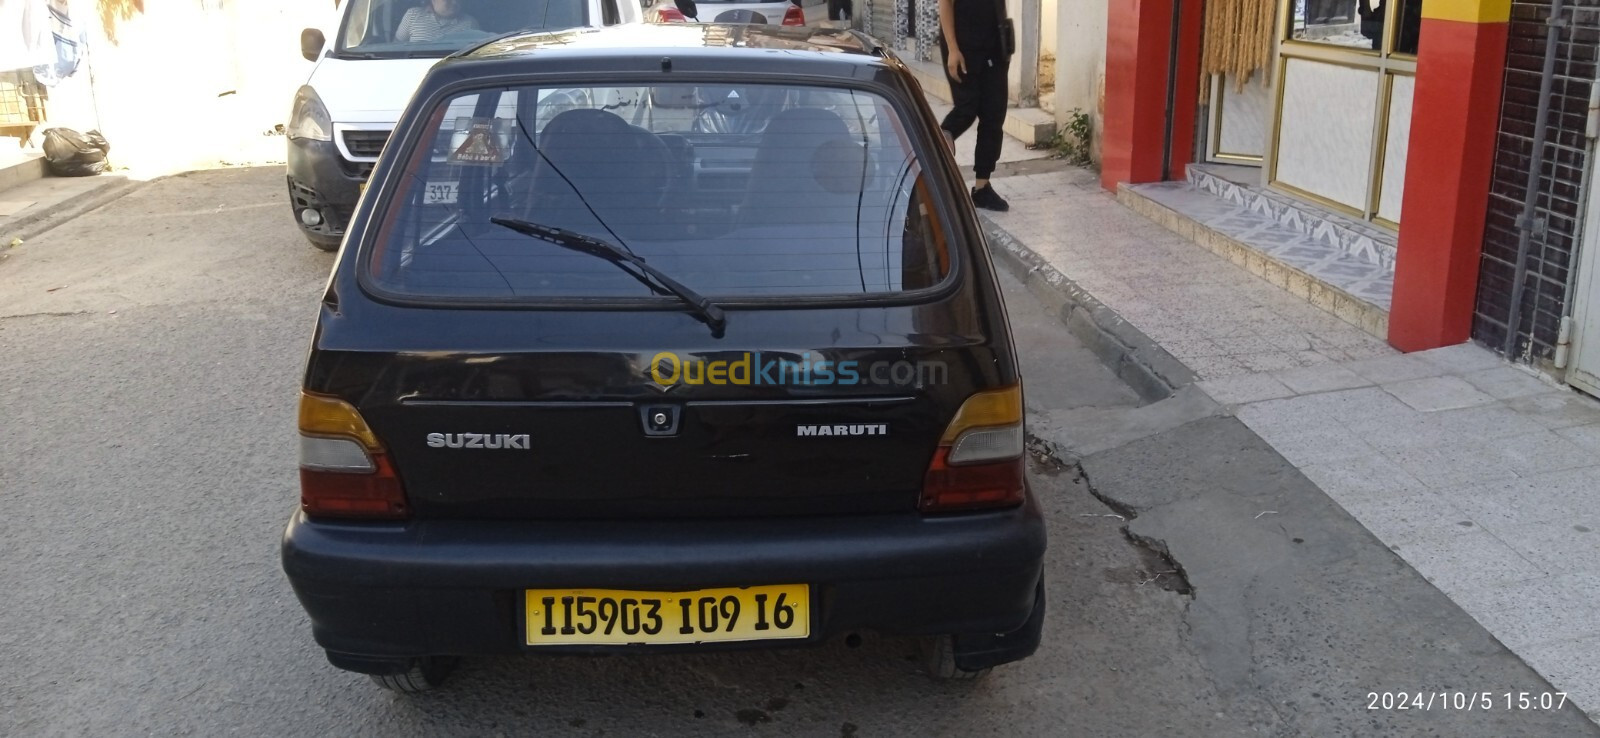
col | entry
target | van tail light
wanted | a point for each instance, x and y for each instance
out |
(979, 462)
(670, 15)
(344, 470)
(794, 16)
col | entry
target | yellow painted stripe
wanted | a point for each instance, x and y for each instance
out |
(1468, 11)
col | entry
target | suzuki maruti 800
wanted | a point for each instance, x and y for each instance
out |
(664, 338)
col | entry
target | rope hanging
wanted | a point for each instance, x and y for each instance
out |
(1238, 38)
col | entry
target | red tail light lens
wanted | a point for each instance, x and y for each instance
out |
(949, 488)
(344, 471)
(979, 462)
(794, 16)
(346, 495)
(670, 15)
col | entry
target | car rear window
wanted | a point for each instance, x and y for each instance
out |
(734, 190)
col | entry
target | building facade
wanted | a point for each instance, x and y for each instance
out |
(1415, 125)
(1552, 260)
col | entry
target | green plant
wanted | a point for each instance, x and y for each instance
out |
(1072, 141)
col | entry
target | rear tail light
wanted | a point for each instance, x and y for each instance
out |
(344, 471)
(670, 15)
(979, 462)
(794, 16)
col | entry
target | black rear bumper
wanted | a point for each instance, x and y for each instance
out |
(378, 594)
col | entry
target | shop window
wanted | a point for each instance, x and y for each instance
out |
(1345, 81)
(1375, 18)
(1333, 22)
(1357, 24)
(1410, 27)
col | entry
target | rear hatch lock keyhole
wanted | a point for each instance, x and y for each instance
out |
(659, 420)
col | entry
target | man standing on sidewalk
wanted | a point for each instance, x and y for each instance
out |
(975, 44)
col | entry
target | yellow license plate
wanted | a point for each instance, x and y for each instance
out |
(563, 617)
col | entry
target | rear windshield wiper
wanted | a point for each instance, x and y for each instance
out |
(703, 308)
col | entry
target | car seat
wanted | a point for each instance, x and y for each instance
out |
(806, 169)
(595, 157)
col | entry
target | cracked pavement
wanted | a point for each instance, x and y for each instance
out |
(148, 470)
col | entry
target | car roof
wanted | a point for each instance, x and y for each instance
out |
(801, 45)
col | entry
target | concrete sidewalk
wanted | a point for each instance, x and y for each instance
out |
(1482, 476)
(34, 206)
(30, 206)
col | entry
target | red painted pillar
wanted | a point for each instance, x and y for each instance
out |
(1147, 88)
(1454, 119)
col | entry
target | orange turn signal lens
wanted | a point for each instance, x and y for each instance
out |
(987, 409)
(321, 415)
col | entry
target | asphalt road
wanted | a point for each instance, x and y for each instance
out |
(150, 354)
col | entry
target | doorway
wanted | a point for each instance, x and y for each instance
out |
(1583, 371)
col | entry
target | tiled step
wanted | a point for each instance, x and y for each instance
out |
(1363, 241)
(1357, 290)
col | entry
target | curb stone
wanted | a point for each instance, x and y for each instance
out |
(1134, 357)
(30, 225)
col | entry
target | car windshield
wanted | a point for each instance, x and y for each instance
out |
(735, 190)
(439, 27)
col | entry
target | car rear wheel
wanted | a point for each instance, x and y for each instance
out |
(939, 660)
(423, 675)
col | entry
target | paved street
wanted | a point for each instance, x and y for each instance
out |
(150, 353)
(1481, 474)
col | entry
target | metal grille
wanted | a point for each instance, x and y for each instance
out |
(365, 143)
(21, 99)
(1527, 280)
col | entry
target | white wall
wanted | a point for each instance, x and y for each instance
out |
(1048, 26)
(1081, 61)
(158, 91)
(1024, 16)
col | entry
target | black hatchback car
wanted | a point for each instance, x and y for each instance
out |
(662, 338)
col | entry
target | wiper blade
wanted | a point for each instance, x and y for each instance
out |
(703, 308)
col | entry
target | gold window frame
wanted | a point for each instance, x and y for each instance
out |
(1383, 62)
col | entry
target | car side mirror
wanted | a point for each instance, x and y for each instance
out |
(311, 43)
(687, 8)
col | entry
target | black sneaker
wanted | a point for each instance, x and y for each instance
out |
(988, 199)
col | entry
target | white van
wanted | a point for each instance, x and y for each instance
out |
(364, 78)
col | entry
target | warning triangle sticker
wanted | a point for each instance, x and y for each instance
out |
(733, 94)
(480, 147)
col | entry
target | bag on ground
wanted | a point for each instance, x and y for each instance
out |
(71, 154)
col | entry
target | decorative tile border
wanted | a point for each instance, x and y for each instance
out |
(1356, 292)
(1367, 243)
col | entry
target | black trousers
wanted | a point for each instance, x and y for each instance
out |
(979, 96)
